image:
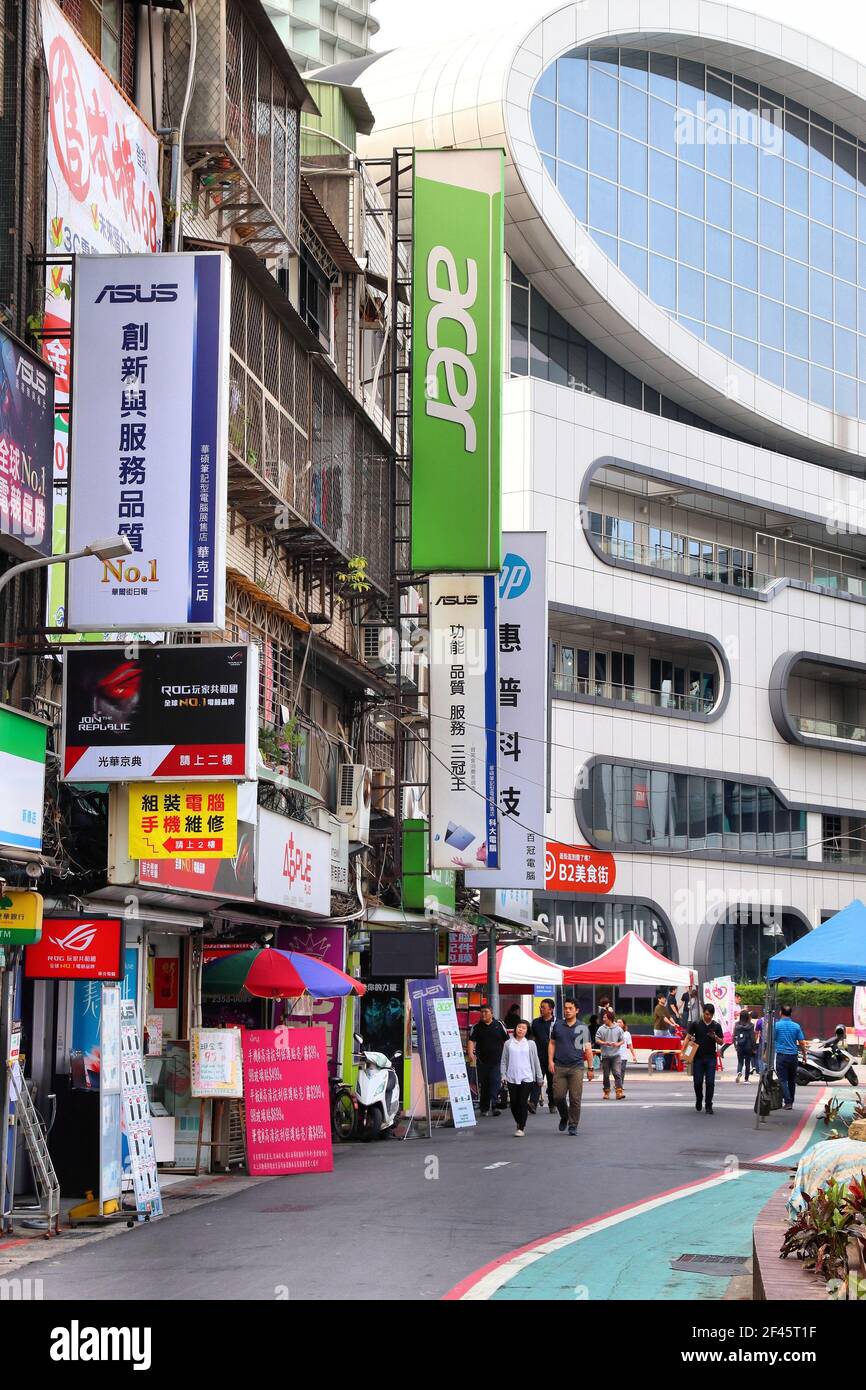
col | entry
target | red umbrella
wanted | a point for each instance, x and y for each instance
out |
(274, 974)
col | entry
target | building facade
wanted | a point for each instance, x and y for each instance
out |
(686, 420)
(318, 33)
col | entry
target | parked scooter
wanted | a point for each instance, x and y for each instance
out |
(829, 1061)
(378, 1092)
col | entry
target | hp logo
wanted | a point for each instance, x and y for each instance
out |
(515, 576)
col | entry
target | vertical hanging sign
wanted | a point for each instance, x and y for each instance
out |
(136, 1116)
(457, 363)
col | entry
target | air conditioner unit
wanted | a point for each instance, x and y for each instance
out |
(381, 648)
(354, 796)
(384, 793)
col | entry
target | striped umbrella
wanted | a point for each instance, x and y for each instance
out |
(270, 973)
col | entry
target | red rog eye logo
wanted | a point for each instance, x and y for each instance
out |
(122, 684)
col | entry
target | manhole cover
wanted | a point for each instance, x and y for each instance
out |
(725, 1266)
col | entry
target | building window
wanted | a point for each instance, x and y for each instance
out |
(650, 808)
(315, 297)
(582, 929)
(100, 29)
(747, 937)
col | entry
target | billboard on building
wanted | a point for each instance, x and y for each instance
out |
(77, 948)
(464, 825)
(221, 878)
(293, 865)
(521, 713)
(183, 820)
(26, 445)
(457, 364)
(169, 713)
(23, 742)
(102, 197)
(149, 453)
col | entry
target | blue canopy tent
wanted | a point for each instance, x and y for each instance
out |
(834, 953)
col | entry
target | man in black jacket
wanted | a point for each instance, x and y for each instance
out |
(540, 1033)
(709, 1038)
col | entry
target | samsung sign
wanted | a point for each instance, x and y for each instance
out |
(148, 450)
(581, 930)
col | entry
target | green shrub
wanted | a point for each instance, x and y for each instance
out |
(637, 1023)
(817, 996)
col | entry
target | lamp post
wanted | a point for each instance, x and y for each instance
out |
(109, 548)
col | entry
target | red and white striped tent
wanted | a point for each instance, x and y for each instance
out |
(516, 967)
(631, 962)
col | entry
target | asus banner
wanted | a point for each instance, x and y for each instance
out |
(457, 364)
(149, 440)
(464, 830)
(521, 714)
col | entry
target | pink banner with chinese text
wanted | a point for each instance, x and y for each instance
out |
(286, 1101)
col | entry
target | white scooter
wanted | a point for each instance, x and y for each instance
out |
(378, 1090)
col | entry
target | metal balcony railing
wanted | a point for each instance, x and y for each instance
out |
(830, 728)
(688, 566)
(633, 695)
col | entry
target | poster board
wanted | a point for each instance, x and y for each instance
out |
(287, 1103)
(215, 1063)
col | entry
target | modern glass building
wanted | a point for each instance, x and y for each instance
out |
(318, 33)
(686, 419)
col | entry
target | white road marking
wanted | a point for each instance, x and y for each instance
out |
(503, 1164)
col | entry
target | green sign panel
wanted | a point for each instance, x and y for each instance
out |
(457, 363)
(420, 886)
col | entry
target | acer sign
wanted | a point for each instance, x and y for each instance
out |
(293, 865)
(77, 948)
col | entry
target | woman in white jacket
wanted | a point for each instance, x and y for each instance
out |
(521, 1069)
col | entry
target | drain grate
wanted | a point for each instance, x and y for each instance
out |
(767, 1167)
(725, 1266)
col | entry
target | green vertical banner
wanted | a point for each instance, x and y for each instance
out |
(457, 362)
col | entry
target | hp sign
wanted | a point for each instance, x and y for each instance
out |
(515, 576)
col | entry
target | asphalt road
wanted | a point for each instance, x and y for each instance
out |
(411, 1219)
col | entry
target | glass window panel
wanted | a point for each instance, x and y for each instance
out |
(821, 343)
(748, 816)
(603, 93)
(691, 190)
(572, 186)
(558, 362)
(718, 301)
(691, 242)
(633, 387)
(719, 340)
(715, 811)
(772, 274)
(731, 815)
(662, 229)
(546, 84)
(861, 263)
(608, 244)
(679, 820)
(633, 263)
(544, 125)
(846, 351)
(745, 353)
(821, 152)
(690, 94)
(607, 58)
(844, 211)
(690, 290)
(691, 141)
(771, 176)
(602, 205)
(640, 811)
(697, 812)
(519, 349)
(796, 140)
(845, 163)
(634, 66)
(796, 236)
(766, 804)
(662, 125)
(550, 165)
(601, 781)
(862, 395)
(745, 264)
(797, 332)
(540, 311)
(861, 358)
(846, 396)
(576, 364)
(845, 258)
(672, 410)
(797, 377)
(821, 247)
(745, 313)
(602, 150)
(771, 225)
(772, 366)
(719, 159)
(596, 369)
(821, 387)
(633, 112)
(845, 304)
(821, 294)
(796, 188)
(861, 211)
(662, 178)
(719, 253)
(746, 167)
(539, 360)
(772, 324)
(633, 164)
(718, 203)
(663, 76)
(572, 82)
(745, 214)
(821, 200)
(796, 285)
(663, 284)
(659, 808)
(572, 137)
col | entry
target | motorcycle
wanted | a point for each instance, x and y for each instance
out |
(829, 1061)
(378, 1092)
(343, 1115)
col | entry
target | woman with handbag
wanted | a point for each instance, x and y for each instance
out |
(744, 1042)
(521, 1070)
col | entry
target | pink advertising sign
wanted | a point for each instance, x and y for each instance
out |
(286, 1101)
(327, 944)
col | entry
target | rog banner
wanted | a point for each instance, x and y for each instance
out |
(77, 948)
(168, 713)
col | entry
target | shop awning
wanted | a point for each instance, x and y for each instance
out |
(515, 965)
(835, 952)
(631, 962)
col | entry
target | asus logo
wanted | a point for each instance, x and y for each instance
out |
(134, 294)
(79, 939)
(29, 375)
(455, 600)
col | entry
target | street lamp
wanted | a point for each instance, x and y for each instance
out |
(109, 548)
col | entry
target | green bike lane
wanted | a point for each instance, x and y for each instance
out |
(626, 1254)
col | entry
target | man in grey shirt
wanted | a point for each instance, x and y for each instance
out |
(609, 1040)
(569, 1052)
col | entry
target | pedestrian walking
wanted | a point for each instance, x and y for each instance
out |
(709, 1037)
(540, 1032)
(609, 1039)
(569, 1057)
(512, 1018)
(521, 1070)
(744, 1042)
(626, 1050)
(663, 1024)
(484, 1052)
(693, 1013)
(789, 1039)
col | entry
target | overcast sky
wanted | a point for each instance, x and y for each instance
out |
(431, 22)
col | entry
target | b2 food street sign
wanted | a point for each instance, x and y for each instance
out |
(457, 360)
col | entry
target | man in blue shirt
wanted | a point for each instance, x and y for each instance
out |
(789, 1038)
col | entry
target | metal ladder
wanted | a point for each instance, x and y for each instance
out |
(47, 1184)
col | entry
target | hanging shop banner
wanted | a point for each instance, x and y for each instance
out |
(458, 258)
(102, 197)
(456, 1075)
(149, 452)
(578, 869)
(216, 1067)
(169, 713)
(20, 917)
(22, 778)
(26, 445)
(507, 904)
(137, 1124)
(462, 948)
(77, 948)
(521, 714)
(110, 1139)
(286, 1100)
(221, 878)
(721, 994)
(327, 944)
(463, 745)
(183, 820)
(423, 994)
(293, 865)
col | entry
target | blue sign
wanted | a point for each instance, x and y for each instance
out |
(422, 996)
(515, 576)
(87, 1008)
